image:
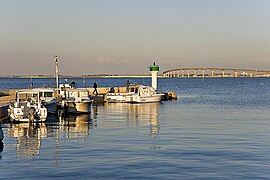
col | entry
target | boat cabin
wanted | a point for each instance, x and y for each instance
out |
(30, 96)
(142, 90)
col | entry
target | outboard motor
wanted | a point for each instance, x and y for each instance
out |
(32, 113)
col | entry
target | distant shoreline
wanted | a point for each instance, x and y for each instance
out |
(80, 76)
(113, 76)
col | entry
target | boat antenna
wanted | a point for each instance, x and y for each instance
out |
(56, 72)
(84, 82)
(31, 83)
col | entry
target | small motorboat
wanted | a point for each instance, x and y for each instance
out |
(136, 93)
(48, 99)
(27, 107)
(75, 100)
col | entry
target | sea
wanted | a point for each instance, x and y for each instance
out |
(218, 128)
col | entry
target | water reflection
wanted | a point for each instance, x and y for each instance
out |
(144, 114)
(77, 126)
(95, 111)
(28, 138)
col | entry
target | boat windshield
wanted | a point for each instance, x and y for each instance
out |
(27, 96)
(84, 93)
(46, 94)
(65, 88)
(133, 89)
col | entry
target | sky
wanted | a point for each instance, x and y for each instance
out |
(126, 36)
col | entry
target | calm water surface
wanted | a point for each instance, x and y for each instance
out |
(217, 129)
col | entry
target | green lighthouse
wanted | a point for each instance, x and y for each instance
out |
(154, 69)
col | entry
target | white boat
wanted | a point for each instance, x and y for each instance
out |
(136, 94)
(27, 107)
(48, 99)
(75, 100)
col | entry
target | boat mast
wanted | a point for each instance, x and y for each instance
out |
(56, 72)
(84, 82)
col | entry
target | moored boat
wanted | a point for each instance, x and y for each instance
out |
(75, 100)
(136, 94)
(27, 107)
(48, 99)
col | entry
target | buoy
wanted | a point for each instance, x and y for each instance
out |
(173, 95)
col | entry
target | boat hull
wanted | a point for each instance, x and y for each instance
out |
(3, 112)
(1, 138)
(26, 119)
(77, 107)
(133, 98)
(40, 116)
(116, 97)
(136, 94)
(52, 108)
(142, 99)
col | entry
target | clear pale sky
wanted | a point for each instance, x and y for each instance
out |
(126, 36)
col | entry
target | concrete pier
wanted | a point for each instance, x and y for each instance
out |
(8, 96)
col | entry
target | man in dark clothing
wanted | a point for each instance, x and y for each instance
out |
(95, 87)
(112, 90)
(127, 85)
(72, 84)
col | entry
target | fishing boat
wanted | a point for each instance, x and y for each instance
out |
(48, 99)
(136, 93)
(75, 100)
(27, 107)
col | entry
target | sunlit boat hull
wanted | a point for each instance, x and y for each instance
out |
(142, 99)
(77, 107)
(136, 94)
(116, 98)
(18, 115)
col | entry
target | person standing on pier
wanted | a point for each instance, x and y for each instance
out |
(72, 84)
(127, 85)
(95, 88)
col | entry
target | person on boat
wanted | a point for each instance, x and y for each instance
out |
(112, 90)
(95, 87)
(72, 84)
(127, 85)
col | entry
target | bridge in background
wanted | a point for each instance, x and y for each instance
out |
(215, 72)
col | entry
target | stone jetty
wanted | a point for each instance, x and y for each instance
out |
(8, 96)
